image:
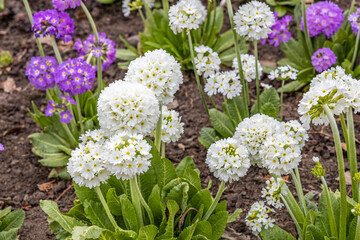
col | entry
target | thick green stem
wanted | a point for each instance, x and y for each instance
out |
(332, 220)
(163, 150)
(344, 128)
(196, 74)
(341, 168)
(99, 75)
(136, 200)
(212, 102)
(281, 99)
(165, 4)
(142, 200)
(106, 207)
(70, 135)
(306, 29)
(355, 50)
(237, 50)
(351, 7)
(357, 233)
(158, 131)
(299, 193)
(91, 21)
(149, 13)
(78, 108)
(290, 210)
(257, 75)
(143, 18)
(56, 50)
(352, 154)
(215, 201)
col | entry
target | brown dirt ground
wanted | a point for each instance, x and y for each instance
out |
(20, 172)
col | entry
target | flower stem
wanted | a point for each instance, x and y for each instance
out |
(237, 50)
(215, 201)
(163, 150)
(355, 50)
(56, 50)
(332, 220)
(351, 7)
(158, 131)
(281, 100)
(136, 200)
(357, 233)
(296, 179)
(196, 74)
(257, 75)
(99, 76)
(352, 154)
(149, 13)
(91, 21)
(341, 168)
(165, 4)
(78, 108)
(29, 13)
(306, 29)
(143, 202)
(287, 205)
(106, 207)
(70, 135)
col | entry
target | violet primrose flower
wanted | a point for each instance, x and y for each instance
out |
(54, 107)
(75, 76)
(2, 147)
(50, 109)
(66, 116)
(62, 5)
(90, 50)
(54, 23)
(354, 20)
(323, 59)
(323, 17)
(40, 72)
(279, 32)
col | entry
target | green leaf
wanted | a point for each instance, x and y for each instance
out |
(207, 136)
(13, 220)
(293, 86)
(157, 206)
(221, 123)
(4, 212)
(187, 233)
(82, 233)
(85, 193)
(113, 201)
(194, 178)
(45, 142)
(204, 228)
(352, 229)
(173, 208)
(269, 103)
(57, 161)
(148, 232)
(203, 197)
(56, 228)
(236, 109)
(78, 212)
(275, 233)
(165, 172)
(9, 235)
(184, 164)
(95, 212)
(125, 54)
(67, 223)
(225, 41)
(218, 223)
(233, 217)
(281, 10)
(129, 213)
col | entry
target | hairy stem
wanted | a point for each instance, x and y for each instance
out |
(352, 154)
(332, 220)
(257, 75)
(215, 201)
(106, 207)
(158, 131)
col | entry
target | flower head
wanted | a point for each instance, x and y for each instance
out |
(356, 210)
(258, 217)
(54, 23)
(126, 8)
(171, 127)
(254, 20)
(280, 32)
(66, 116)
(318, 171)
(60, 107)
(207, 61)
(186, 14)
(323, 17)
(283, 73)
(248, 67)
(125, 107)
(227, 83)
(127, 155)
(62, 5)
(228, 160)
(158, 71)
(273, 191)
(105, 50)
(323, 59)
(75, 76)
(2, 147)
(40, 72)
(266, 86)
(87, 162)
(354, 19)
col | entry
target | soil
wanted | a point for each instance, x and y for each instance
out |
(21, 173)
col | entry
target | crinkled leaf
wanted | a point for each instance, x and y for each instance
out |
(221, 123)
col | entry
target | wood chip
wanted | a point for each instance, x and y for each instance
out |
(9, 85)
(45, 187)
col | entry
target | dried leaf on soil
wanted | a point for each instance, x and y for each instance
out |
(9, 85)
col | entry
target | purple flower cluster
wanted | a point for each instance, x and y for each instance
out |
(65, 115)
(54, 23)
(62, 5)
(354, 19)
(323, 17)
(75, 76)
(105, 50)
(40, 72)
(323, 59)
(280, 31)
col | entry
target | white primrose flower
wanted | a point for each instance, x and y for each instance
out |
(254, 20)
(227, 83)
(207, 61)
(258, 218)
(273, 191)
(171, 127)
(129, 5)
(125, 107)
(297, 132)
(186, 14)
(87, 165)
(228, 160)
(283, 73)
(248, 66)
(126, 7)
(158, 71)
(127, 155)
(266, 86)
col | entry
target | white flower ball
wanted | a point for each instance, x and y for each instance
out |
(248, 66)
(158, 71)
(228, 160)
(258, 218)
(125, 107)
(283, 73)
(127, 155)
(171, 127)
(227, 83)
(186, 14)
(254, 20)
(207, 61)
